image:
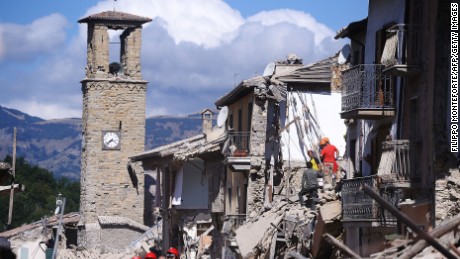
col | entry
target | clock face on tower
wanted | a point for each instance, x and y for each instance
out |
(111, 139)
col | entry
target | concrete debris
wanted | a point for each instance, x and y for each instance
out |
(448, 196)
(288, 228)
(249, 236)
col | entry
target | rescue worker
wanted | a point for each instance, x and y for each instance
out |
(150, 255)
(310, 186)
(172, 253)
(316, 164)
(329, 155)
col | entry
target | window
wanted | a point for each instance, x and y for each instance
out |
(230, 121)
(229, 192)
(380, 40)
(240, 120)
(249, 116)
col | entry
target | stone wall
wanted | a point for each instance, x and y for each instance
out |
(336, 76)
(448, 196)
(256, 179)
(215, 172)
(97, 51)
(106, 187)
(130, 52)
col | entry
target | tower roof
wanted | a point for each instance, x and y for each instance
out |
(115, 17)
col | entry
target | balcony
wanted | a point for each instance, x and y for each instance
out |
(394, 168)
(239, 143)
(367, 93)
(357, 206)
(238, 158)
(401, 54)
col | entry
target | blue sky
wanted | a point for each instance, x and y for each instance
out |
(192, 48)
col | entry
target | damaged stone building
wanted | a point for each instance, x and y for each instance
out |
(231, 191)
(211, 185)
(111, 220)
(395, 104)
(113, 128)
(393, 97)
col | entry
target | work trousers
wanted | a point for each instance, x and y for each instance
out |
(330, 177)
(312, 195)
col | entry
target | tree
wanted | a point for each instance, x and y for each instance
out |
(39, 198)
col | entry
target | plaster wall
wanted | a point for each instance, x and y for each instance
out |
(299, 137)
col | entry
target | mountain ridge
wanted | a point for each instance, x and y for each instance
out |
(56, 144)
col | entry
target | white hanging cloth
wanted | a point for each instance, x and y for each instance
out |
(177, 198)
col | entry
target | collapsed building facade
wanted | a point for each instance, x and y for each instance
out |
(394, 100)
(210, 185)
(231, 191)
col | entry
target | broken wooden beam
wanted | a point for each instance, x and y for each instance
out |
(439, 231)
(454, 248)
(404, 219)
(329, 238)
(275, 226)
(5, 190)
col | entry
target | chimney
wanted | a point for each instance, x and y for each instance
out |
(206, 116)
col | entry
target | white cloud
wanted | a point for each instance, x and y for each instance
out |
(192, 52)
(26, 42)
(296, 18)
(44, 109)
(204, 22)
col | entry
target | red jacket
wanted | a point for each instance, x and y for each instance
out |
(328, 155)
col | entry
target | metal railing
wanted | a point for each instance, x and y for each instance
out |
(408, 43)
(239, 142)
(358, 206)
(395, 162)
(366, 87)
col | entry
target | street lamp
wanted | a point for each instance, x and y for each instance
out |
(60, 205)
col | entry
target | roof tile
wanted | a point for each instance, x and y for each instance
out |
(115, 16)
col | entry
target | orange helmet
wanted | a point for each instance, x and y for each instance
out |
(150, 255)
(324, 141)
(173, 251)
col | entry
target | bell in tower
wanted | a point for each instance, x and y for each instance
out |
(113, 129)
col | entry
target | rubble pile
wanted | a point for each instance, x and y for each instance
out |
(448, 195)
(287, 228)
(446, 233)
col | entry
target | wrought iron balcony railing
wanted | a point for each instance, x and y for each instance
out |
(367, 92)
(239, 143)
(402, 49)
(357, 206)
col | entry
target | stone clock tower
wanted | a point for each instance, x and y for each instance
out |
(113, 128)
